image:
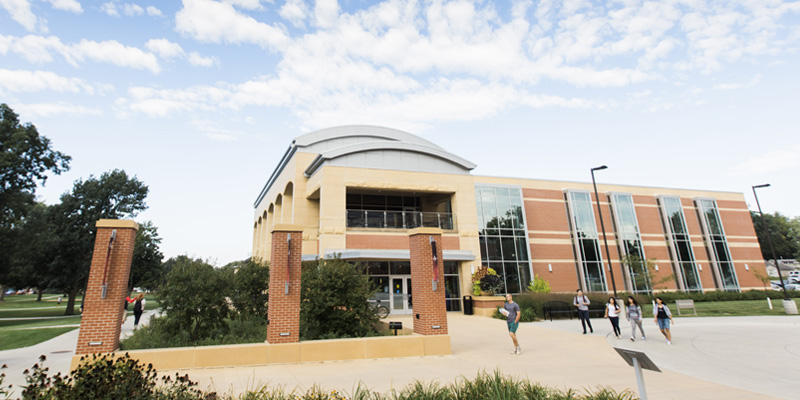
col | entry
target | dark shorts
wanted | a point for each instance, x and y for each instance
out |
(512, 326)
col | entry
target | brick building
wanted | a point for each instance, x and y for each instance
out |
(357, 191)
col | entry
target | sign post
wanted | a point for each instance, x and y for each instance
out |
(638, 360)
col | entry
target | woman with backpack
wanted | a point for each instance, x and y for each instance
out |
(633, 313)
(612, 313)
(138, 308)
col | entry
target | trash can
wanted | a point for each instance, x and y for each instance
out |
(467, 305)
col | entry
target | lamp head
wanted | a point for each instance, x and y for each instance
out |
(762, 186)
(600, 168)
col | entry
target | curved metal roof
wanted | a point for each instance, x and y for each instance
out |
(365, 131)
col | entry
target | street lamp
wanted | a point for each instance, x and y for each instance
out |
(603, 228)
(769, 240)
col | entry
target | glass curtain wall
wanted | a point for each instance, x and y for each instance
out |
(717, 244)
(503, 235)
(630, 241)
(681, 245)
(587, 246)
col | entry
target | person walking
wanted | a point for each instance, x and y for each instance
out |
(138, 308)
(663, 318)
(633, 313)
(512, 313)
(582, 302)
(612, 313)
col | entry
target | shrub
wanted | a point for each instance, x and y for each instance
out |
(155, 335)
(104, 377)
(538, 285)
(724, 296)
(334, 301)
(251, 285)
(492, 284)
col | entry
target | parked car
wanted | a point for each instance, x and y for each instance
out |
(9, 292)
(789, 286)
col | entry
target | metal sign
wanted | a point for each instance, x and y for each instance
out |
(638, 360)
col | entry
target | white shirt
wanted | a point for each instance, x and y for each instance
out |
(612, 310)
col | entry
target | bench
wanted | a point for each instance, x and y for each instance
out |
(685, 304)
(558, 307)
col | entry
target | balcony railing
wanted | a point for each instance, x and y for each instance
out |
(399, 219)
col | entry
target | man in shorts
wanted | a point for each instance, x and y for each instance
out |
(512, 319)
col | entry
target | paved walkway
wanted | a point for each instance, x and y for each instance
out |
(58, 350)
(554, 354)
(711, 358)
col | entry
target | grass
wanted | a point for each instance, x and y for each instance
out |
(23, 338)
(723, 309)
(12, 334)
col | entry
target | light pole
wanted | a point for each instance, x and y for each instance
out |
(603, 228)
(769, 239)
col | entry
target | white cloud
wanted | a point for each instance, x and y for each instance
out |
(211, 21)
(20, 11)
(326, 12)
(199, 61)
(294, 11)
(32, 110)
(33, 81)
(67, 5)
(769, 163)
(132, 10)
(164, 48)
(245, 4)
(153, 12)
(40, 49)
(735, 86)
(110, 9)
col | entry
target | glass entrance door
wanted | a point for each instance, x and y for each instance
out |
(401, 295)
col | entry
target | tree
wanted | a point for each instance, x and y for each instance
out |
(334, 301)
(251, 285)
(146, 268)
(193, 297)
(644, 272)
(784, 231)
(25, 160)
(33, 244)
(539, 285)
(112, 196)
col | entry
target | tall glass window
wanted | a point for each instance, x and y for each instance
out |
(717, 244)
(630, 240)
(503, 235)
(680, 244)
(587, 247)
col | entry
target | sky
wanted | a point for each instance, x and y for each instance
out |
(199, 99)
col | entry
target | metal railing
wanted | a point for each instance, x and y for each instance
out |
(399, 219)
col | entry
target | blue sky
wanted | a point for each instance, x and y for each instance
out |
(200, 98)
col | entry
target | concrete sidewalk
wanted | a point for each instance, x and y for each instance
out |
(58, 350)
(550, 356)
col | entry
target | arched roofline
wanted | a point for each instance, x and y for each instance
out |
(373, 146)
(378, 132)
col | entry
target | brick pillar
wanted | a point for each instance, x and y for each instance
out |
(102, 317)
(284, 309)
(430, 313)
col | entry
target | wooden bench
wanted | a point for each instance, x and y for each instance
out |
(685, 304)
(558, 307)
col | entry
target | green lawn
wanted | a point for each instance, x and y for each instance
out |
(723, 308)
(33, 323)
(41, 312)
(10, 339)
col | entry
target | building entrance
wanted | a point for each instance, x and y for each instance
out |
(401, 295)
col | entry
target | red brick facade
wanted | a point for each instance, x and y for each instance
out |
(102, 317)
(430, 313)
(284, 309)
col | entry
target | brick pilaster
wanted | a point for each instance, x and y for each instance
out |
(284, 309)
(102, 317)
(430, 313)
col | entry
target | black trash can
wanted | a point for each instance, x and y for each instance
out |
(467, 305)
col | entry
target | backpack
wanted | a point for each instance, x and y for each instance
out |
(137, 307)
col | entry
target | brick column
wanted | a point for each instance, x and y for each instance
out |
(102, 317)
(430, 313)
(284, 309)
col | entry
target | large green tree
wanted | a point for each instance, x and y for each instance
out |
(147, 269)
(32, 248)
(784, 231)
(114, 195)
(25, 160)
